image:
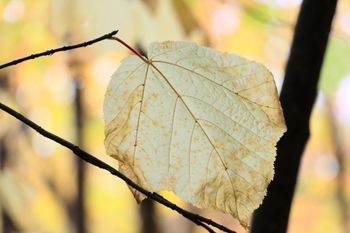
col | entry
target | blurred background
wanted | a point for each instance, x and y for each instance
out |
(45, 189)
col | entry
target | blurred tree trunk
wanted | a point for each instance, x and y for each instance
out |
(341, 159)
(148, 217)
(78, 209)
(6, 225)
(80, 164)
(297, 97)
(147, 207)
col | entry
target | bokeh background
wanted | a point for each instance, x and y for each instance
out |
(43, 184)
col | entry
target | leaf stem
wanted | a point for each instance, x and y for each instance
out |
(130, 48)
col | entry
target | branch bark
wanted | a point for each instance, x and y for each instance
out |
(297, 97)
(197, 219)
(61, 49)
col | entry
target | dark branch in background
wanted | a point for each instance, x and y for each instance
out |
(7, 224)
(148, 217)
(61, 49)
(80, 164)
(77, 207)
(297, 97)
(199, 220)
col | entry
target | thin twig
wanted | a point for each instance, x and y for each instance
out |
(197, 219)
(64, 48)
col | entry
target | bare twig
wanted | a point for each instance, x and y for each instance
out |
(197, 219)
(61, 49)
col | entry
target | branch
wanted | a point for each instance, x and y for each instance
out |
(197, 219)
(297, 98)
(61, 49)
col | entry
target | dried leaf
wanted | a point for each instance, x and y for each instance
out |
(197, 122)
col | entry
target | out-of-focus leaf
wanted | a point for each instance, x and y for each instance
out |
(30, 203)
(152, 4)
(137, 21)
(336, 65)
(188, 22)
(197, 122)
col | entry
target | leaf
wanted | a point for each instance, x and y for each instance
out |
(137, 21)
(186, 18)
(197, 122)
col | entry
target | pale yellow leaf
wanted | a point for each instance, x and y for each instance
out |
(197, 122)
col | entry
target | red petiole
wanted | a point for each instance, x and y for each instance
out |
(130, 48)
